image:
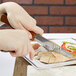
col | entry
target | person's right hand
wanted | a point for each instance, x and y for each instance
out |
(19, 18)
(16, 40)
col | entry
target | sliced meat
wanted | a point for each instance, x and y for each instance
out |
(36, 46)
(45, 57)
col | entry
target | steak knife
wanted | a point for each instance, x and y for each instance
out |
(49, 45)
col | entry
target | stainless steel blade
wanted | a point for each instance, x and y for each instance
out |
(44, 49)
(74, 39)
(51, 46)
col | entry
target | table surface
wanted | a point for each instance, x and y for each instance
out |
(7, 62)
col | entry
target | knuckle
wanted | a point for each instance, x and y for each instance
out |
(23, 55)
(35, 21)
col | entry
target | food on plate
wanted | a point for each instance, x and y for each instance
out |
(46, 57)
(36, 46)
(71, 47)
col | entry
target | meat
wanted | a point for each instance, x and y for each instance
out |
(36, 46)
(47, 57)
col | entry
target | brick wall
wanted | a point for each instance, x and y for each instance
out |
(55, 16)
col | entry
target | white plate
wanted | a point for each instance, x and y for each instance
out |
(39, 65)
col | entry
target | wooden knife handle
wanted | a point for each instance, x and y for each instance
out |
(5, 20)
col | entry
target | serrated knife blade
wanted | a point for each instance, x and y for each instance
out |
(51, 45)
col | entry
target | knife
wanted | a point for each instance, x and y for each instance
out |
(49, 45)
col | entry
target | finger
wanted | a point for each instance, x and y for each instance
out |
(37, 30)
(31, 53)
(32, 27)
(18, 25)
(13, 54)
(18, 53)
(25, 50)
(31, 50)
(22, 27)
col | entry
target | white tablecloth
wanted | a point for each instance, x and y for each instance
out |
(60, 71)
(7, 63)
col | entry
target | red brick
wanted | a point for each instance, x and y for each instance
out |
(36, 10)
(52, 2)
(70, 21)
(71, 2)
(0, 1)
(63, 10)
(47, 20)
(62, 29)
(45, 29)
(20, 1)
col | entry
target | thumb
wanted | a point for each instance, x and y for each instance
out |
(36, 29)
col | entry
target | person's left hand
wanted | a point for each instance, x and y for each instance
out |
(16, 40)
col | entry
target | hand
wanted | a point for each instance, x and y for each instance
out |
(16, 40)
(19, 18)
